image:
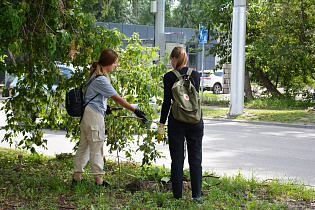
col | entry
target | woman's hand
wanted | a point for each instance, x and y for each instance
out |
(160, 134)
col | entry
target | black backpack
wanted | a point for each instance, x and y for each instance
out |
(75, 99)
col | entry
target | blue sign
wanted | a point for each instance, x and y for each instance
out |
(203, 33)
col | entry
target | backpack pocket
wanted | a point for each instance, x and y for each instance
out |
(184, 115)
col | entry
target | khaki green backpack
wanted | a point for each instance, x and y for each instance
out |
(186, 104)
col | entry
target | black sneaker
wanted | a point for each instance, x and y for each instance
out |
(106, 185)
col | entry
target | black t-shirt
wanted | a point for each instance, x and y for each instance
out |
(168, 80)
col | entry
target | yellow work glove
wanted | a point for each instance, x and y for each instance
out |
(160, 134)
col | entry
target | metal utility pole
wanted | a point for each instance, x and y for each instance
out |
(238, 58)
(158, 8)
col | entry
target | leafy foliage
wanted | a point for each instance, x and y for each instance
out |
(138, 12)
(117, 11)
(216, 16)
(34, 35)
(137, 80)
(280, 42)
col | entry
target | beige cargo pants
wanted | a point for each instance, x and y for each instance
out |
(91, 143)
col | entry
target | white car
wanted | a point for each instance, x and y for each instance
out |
(211, 80)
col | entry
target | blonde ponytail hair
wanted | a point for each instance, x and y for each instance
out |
(107, 57)
(98, 70)
(180, 54)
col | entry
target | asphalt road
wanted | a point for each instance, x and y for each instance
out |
(230, 148)
(261, 151)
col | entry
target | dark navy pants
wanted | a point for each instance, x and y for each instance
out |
(177, 132)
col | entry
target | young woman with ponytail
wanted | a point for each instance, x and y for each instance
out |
(93, 125)
(179, 131)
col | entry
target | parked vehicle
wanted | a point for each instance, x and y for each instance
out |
(211, 80)
(66, 71)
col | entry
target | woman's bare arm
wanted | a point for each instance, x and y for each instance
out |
(123, 102)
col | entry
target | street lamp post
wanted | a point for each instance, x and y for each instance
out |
(238, 58)
(158, 8)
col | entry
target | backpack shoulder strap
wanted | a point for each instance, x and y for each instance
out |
(86, 85)
(188, 74)
(92, 79)
(178, 75)
(189, 71)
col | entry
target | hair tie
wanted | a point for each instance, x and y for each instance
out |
(95, 63)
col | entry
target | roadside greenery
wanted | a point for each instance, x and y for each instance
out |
(279, 103)
(31, 181)
(306, 117)
(213, 99)
(261, 102)
(36, 34)
(283, 116)
(279, 40)
(282, 110)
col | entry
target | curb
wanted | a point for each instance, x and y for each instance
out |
(263, 123)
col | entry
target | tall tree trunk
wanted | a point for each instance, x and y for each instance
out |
(264, 79)
(247, 86)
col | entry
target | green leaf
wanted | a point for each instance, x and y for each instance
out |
(166, 179)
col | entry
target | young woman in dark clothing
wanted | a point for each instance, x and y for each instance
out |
(179, 131)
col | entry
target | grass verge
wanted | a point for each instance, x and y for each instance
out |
(305, 117)
(282, 110)
(40, 182)
(258, 103)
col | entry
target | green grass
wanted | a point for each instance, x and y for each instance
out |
(259, 103)
(283, 110)
(282, 116)
(215, 113)
(213, 99)
(278, 103)
(40, 182)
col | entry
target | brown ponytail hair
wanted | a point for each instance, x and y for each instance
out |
(180, 54)
(107, 57)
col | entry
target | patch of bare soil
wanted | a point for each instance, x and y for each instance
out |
(300, 204)
(150, 186)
